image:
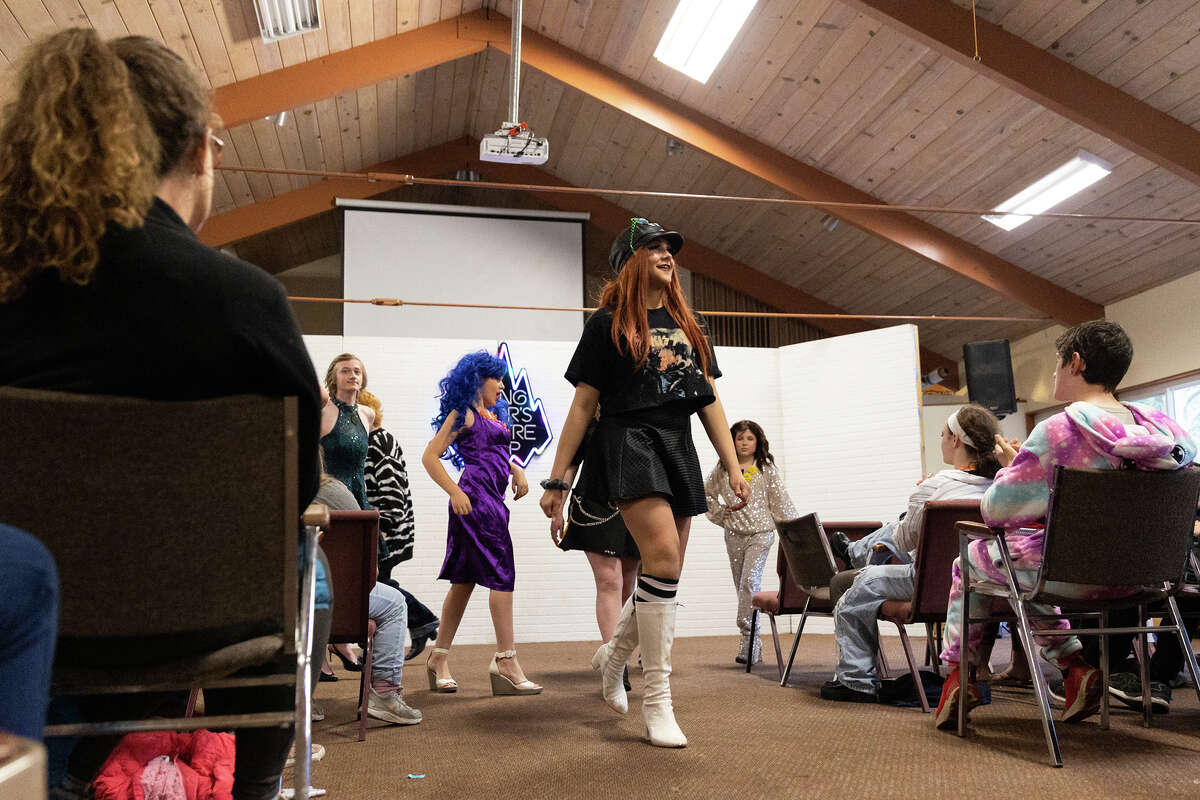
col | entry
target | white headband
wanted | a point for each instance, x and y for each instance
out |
(957, 429)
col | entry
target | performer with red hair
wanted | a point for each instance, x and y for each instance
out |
(645, 359)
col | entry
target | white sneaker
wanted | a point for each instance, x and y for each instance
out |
(318, 752)
(392, 708)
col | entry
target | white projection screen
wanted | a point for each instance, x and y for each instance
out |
(462, 254)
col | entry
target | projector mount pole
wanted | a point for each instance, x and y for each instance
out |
(514, 143)
(514, 66)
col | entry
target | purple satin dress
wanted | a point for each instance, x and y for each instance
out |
(478, 546)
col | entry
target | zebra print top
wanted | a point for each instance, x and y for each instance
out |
(388, 492)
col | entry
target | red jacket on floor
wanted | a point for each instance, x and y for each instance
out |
(169, 766)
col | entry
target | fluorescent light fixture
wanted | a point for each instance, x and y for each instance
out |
(279, 19)
(699, 33)
(1068, 180)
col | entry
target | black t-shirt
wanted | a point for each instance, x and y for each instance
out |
(671, 375)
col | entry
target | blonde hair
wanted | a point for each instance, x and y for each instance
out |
(372, 402)
(77, 151)
(331, 373)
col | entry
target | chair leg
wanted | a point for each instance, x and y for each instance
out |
(753, 636)
(304, 646)
(1185, 642)
(884, 670)
(787, 672)
(932, 658)
(778, 652)
(964, 644)
(1104, 671)
(365, 687)
(1039, 682)
(964, 660)
(912, 666)
(1144, 652)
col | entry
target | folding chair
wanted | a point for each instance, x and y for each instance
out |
(174, 526)
(1123, 530)
(351, 547)
(792, 597)
(937, 547)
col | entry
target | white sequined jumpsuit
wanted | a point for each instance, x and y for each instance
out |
(749, 534)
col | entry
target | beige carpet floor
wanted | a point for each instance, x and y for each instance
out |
(748, 738)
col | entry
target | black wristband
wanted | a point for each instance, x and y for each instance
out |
(557, 484)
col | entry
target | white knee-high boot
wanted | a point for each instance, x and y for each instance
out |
(656, 628)
(612, 656)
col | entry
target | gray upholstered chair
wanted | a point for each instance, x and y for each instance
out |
(173, 526)
(1104, 528)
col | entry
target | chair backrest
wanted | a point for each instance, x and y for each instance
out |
(1119, 527)
(806, 550)
(165, 518)
(937, 547)
(792, 598)
(351, 546)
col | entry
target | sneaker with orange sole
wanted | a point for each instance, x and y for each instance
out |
(946, 717)
(1083, 689)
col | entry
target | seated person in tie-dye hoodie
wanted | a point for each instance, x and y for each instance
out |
(1095, 431)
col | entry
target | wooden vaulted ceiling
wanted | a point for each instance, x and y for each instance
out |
(823, 99)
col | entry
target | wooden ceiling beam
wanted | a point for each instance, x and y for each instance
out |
(1050, 82)
(325, 77)
(793, 176)
(246, 221)
(251, 220)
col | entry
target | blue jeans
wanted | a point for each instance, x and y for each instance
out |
(856, 621)
(390, 612)
(28, 630)
(862, 554)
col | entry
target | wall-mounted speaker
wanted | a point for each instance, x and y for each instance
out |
(990, 376)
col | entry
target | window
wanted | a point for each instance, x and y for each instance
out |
(699, 33)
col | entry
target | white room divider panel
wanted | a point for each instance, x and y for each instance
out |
(851, 406)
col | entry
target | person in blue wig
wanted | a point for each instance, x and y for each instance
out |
(474, 418)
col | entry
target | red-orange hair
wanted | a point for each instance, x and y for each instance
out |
(626, 296)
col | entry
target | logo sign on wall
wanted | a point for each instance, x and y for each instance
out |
(531, 432)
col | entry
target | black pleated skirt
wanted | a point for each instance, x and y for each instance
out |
(642, 455)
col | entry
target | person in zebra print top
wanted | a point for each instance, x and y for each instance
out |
(388, 492)
(387, 489)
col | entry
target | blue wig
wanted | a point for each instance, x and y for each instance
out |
(460, 389)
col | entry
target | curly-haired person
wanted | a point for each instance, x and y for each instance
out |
(106, 170)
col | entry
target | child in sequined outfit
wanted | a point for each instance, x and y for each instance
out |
(749, 525)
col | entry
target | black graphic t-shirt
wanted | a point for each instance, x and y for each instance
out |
(670, 376)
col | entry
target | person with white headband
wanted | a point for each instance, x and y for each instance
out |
(857, 609)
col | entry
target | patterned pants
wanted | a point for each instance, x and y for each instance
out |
(747, 559)
(986, 566)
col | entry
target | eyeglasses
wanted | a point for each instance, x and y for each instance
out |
(216, 145)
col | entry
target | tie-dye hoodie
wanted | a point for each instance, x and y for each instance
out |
(1085, 436)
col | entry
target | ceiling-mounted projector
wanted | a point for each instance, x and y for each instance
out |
(514, 144)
